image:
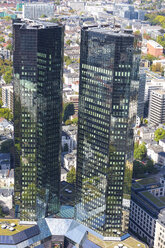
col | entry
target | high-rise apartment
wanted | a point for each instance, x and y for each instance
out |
(38, 66)
(157, 107)
(109, 63)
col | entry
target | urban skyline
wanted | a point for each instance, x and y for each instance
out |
(82, 132)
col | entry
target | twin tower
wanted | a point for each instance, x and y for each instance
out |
(109, 62)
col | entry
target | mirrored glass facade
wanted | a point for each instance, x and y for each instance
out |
(107, 112)
(38, 68)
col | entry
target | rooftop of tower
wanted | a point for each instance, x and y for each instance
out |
(111, 30)
(36, 24)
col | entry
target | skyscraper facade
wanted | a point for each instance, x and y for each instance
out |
(38, 67)
(108, 91)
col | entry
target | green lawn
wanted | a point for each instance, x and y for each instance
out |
(147, 181)
(153, 199)
(18, 228)
(129, 242)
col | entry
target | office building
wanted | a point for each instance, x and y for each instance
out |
(151, 85)
(38, 66)
(157, 107)
(147, 208)
(7, 96)
(108, 90)
(36, 10)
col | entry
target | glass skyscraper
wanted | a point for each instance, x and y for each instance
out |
(38, 68)
(109, 81)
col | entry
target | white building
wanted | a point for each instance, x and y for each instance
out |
(63, 174)
(36, 10)
(69, 78)
(153, 152)
(162, 144)
(70, 160)
(7, 96)
(159, 241)
(153, 85)
(69, 137)
(157, 107)
(5, 125)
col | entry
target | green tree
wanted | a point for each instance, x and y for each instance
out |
(67, 60)
(68, 42)
(138, 169)
(7, 18)
(8, 77)
(137, 32)
(1, 212)
(150, 166)
(6, 113)
(71, 176)
(2, 39)
(9, 47)
(68, 110)
(75, 120)
(43, 16)
(145, 121)
(54, 20)
(149, 57)
(68, 122)
(159, 134)
(140, 151)
(10, 35)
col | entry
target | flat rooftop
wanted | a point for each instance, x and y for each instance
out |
(17, 228)
(110, 30)
(129, 242)
(36, 24)
(154, 44)
(159, 202)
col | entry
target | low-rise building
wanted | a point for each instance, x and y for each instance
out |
(69, 137)
(5, 125)
(153, 152)
(69, 78)
(7, 179)
(154, 48)
(70, 160)
(63, 174)
(162, 144)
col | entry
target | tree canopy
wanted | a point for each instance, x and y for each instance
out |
(139, 168)
(159, 134)
(71, 176)
(155, 19)
(6, 113)
(140, 151)
(68, 110)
